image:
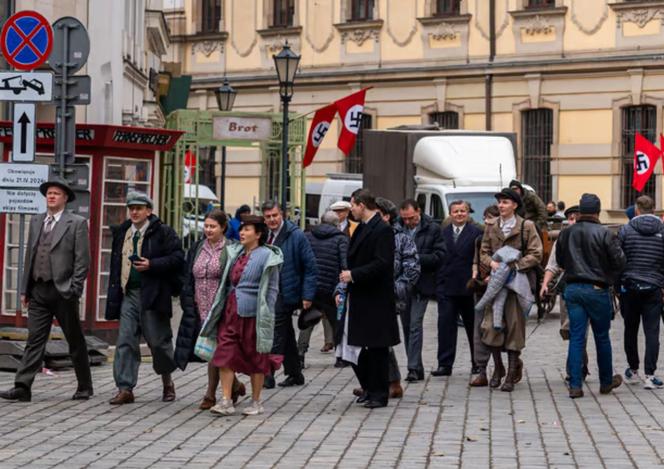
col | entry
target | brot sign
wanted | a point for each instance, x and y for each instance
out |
(242, 128)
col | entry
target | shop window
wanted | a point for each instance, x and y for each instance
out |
(541, 4)
(283, 12)
(448, 8)
(635, 119)
(121, 175)
(362, 10)
(210, 16)
(354, 162)
(445, 120)
(537, 134)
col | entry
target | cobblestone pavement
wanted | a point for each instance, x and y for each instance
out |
(440, 422)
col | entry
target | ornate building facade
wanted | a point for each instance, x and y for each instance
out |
(574, 79)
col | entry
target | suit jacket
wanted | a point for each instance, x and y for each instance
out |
(70, 254)
(372, 320)
(457, 267)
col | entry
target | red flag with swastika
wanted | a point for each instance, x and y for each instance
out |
(350, 111)
(320, 124)
(645, 157)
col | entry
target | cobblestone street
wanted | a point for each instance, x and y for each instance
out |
(440, 422)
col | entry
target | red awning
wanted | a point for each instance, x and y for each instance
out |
(106, 136)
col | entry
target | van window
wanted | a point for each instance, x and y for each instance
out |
(422, 202)
(312, 201)
(437, 211)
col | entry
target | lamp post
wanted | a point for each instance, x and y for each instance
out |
(286, 62)
(225, 98)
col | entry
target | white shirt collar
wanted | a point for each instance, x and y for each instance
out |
(278, 230)
(56, 216)
(508, 222)
(459, 228)
(142, 229)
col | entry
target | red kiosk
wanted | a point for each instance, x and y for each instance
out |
(120, 159)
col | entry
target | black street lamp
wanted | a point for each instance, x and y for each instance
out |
(225, 98)
(286, 62)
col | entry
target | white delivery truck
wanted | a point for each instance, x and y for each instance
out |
(320, 195)
(438, 166)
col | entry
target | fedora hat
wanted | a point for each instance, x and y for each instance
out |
(60, 183)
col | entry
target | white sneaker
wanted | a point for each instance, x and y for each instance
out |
(255, 408)
(225, 407)
(653, 382)
(632, 376)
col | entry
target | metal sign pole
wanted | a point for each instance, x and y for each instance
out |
(19, 273)
(63, 98)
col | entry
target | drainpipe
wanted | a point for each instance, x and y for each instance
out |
(488, 79)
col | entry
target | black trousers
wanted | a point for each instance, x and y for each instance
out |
(285, 342)
(45, 303)
(638, 306)
(449, 307)
(372, 371)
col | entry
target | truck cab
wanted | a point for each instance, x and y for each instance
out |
(461, 167)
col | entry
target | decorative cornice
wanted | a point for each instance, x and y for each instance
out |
(208, 47)
(360, 31)
(218, 36)
(538, 25)
(594, 29)
(276, 43)
(436, 20)
(280, 32)
(639, 13)
(541, 12)
(444, 32)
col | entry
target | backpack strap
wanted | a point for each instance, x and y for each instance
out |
(523, 239)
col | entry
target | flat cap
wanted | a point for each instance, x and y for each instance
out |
(139, 198)
(340, 205)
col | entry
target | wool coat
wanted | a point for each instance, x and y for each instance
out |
(457, 267)
(372, 320)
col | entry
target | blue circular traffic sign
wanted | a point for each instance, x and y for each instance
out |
(26, 40)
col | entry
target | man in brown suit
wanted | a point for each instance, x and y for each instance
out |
(510, 230)
(56, 266)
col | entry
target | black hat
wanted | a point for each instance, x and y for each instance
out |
(516, 183)
(62, 184)
(571, 210)
(308, 318)
(590, 204)
(507, 193)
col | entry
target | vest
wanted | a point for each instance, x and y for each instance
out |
(41, 267)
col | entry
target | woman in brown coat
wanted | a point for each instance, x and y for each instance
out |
(510, 230)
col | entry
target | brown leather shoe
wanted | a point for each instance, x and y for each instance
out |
(124, 396)
(207, 403)
(479, 380)
(615, 382)
(238, 391)
(328, 347)
(518, 371)
(169, 392)
(358, 392)
(396, 391)
(497, 376)
(575, 393)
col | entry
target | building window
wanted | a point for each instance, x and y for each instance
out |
(537, 134)
(445, 120)
(362, 10)
(354, 162)
(635, 119)
(541, 4)
(210, 16)
(448, 7)
(283, 12)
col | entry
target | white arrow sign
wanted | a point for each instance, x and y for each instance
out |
(26, 86)
(23, 138)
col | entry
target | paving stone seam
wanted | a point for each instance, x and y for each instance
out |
(537, 418)
(560, 420)
(441, 410)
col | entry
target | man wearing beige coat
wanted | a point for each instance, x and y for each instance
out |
(56, 266)
(510, 230)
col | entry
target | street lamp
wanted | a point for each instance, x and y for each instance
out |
(225, 98)
(286, 62)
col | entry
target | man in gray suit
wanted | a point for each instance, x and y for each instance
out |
(56, 266)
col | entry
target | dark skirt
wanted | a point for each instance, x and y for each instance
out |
(236, 344)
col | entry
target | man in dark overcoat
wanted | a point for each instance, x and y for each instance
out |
(372, 321)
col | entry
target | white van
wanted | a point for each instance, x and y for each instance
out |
(320, 195)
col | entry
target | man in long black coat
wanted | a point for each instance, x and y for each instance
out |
(372, 319)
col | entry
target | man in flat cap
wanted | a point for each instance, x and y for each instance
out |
(342, 209)
(510, 230)
(56, 266)
(146, 261)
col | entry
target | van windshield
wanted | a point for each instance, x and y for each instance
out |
(478, 200)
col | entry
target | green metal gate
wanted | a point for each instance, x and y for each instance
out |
(197, 126)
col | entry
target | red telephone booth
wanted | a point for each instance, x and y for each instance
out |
(120, 159)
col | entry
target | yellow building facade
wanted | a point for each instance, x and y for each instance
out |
(574, 79)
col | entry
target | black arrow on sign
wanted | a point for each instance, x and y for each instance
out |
(24, 121)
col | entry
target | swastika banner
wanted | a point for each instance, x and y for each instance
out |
(350, 110)
(645, 157)
(320, 124)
